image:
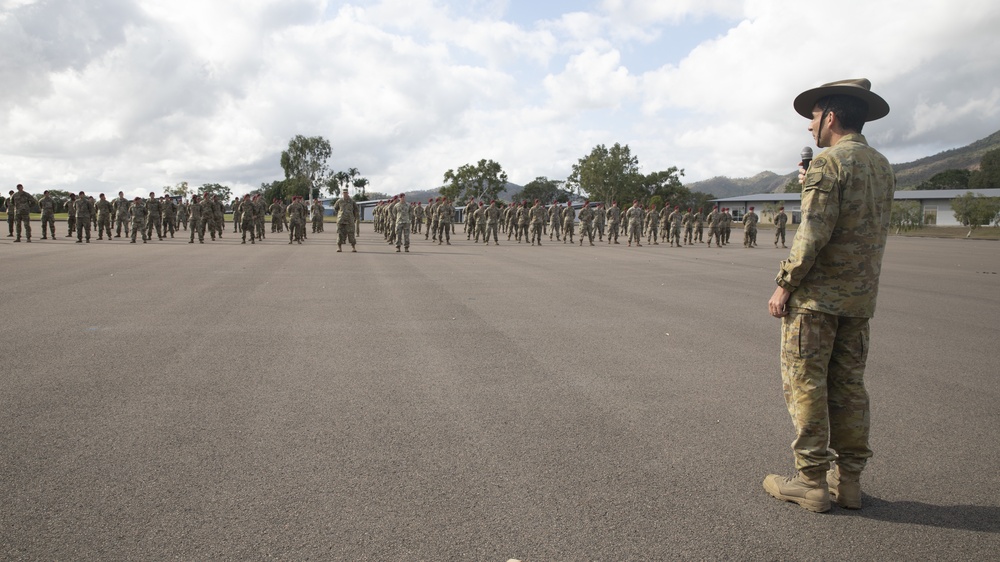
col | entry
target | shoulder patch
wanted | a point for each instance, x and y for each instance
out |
(818, 163)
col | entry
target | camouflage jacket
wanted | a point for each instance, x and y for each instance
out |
(345, 211)
(781, 219)
(750, 220)
(47, 206)
(103, 208)
(836, 257)
(586, 215)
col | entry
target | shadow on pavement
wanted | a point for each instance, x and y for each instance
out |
(964, 517)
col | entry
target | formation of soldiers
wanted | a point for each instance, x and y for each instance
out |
(395, 219)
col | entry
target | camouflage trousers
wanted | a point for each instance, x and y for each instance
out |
(779, 233)
(491, 228)
(822, 373)
(50, 221)
(103, 225)
(586, 232)
(345, 231)
(749, 236)
(403, 235)
(119, 222)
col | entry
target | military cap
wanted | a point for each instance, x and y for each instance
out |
(860, 88)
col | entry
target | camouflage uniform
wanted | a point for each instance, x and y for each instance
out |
(492, 224)
(344, 208)
(568, 224)
(248, 219)
(277, 213)
(48, 208)
(84, 210)
(168, 208)
(183, 215)
(653, 221)
(688, 223)
(832, 272)
(555, 221)
(538, 214)
(600, 217)
(614, 219)
(153, 219)
(121, 207)
(208, 217)
(750, 229)
(297, 213)
(675, 220)
(445, 213)
(418, 218)
(22, 201)
(104, 209)
(727, 226)
(195, 219)
(780, 220)
(480, 223)
(404, 215)
(699, 227)
(713, 228)
(586, 224)
(635, 216)
(138, 212)
(523, 213)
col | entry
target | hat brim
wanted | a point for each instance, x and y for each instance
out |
(806, 101)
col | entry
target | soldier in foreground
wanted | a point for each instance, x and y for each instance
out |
(404, 215)
(103, 208)
(635, 216)
(826, 295)
(614, 219)
(196, 221)
(138, 212)
(586, 223)
(120, 206)
(446, 213)
(492, 223)
(248, 219)
(344, 208)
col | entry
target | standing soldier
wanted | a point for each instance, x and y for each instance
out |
(121, 208)
(688, 224)
(196, 223)
(317, 216)
(138, 213)
(10, 213)
(208, 215)
(750, 229)
(614, 221)
(418, 217)
(297, 215)
(22, 201)
(183, 215)
(537, 216)
(248, 216)
(432, 218)
(600, 217)
(168, 208)
(83, 210)
(104, 209)
(555, 221)
(259, 215)
(727, 225)
(586, 223)
(780, 220)
(492, 223)
(47, 206)
(713, 226)
(470, 218)
(511, 218)
(523, 219)
(653, 222)
(568, 218)
(481, 222)
(71, 215)
(218, 215)
(277, 211)
(237, 207)
(404, 215)
(699, 226)
(153, 218)
(344, 208)
(675, 219)
(635, 216)
(446, 213)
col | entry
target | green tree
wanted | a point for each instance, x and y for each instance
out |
(974, 211)
(339, 182)
(607, 174)
(543, 189)
(667, 184)
(948, 179)
(212, 189)
(362, 184)
(988, 175)
(485, 180)
(792, 186)
(285, 189)
(905, 215)
(306, 158)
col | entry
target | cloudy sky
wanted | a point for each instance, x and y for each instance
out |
(103, 95)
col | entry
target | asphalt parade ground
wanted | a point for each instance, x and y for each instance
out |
(222, 401)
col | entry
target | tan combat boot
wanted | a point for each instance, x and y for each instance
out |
(845, 488)
(809, 491)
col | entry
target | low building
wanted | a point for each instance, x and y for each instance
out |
(935, 204)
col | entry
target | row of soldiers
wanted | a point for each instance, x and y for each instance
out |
(279, 214)
(521, 220)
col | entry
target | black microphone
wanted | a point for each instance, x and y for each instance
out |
(807, 156)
